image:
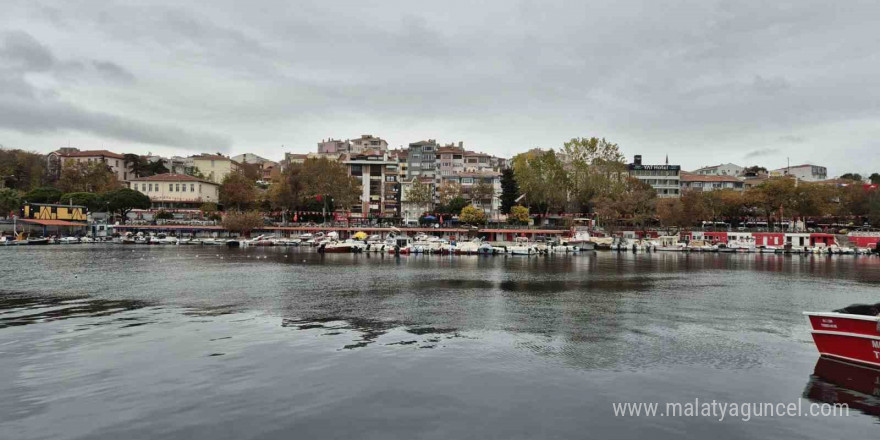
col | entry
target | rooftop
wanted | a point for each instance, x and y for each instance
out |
(170, 177)
(691, 177)
(93, 153)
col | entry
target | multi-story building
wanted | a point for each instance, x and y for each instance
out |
(367, 142)
(665, 179)
(401, 157)
(214, 167)
(467, 182)
(57, 160)
(421, 159)
(334, 146)
(176, 191)
(808, 172)
(449, 160)
(250, 158)
(724, 169)
(411, 211)
(380, 188)
(710, 182)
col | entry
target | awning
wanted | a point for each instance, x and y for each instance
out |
(52, 222)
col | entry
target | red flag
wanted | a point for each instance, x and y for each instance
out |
(295, 218)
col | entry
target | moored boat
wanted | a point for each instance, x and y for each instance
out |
(851, 334)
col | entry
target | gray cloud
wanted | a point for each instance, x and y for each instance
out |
(703, 81)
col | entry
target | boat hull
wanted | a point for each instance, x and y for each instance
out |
(853, 338)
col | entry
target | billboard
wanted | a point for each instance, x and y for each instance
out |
(40, 211)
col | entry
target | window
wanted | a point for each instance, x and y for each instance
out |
(171, 187)
(192, 187)
(184, 188)
(177, 187)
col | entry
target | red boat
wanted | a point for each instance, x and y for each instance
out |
(851, 334)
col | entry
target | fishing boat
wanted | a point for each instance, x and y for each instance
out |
(522, 246)
(581, 239)
(38, 241)
(850, 334)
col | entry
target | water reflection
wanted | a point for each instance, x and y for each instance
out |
(836, 382)
(17, 309)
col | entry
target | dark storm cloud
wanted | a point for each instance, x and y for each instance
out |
(703, 81)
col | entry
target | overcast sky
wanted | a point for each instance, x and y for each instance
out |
(749, 82)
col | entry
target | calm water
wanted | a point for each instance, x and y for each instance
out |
(138, 342)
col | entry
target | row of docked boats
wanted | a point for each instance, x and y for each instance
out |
(822, 244)
(424, 244)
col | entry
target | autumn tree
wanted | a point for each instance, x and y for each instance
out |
(242, 222)
(326, 178)
(447, 191)
(594, 165)
(471, 215)
(519, 215)
(22, 170)
(481, 193)
(87, 177)
(419, 193)
(237, 191)
(541, 175)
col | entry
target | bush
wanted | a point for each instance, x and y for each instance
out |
(471, 215)
(519, 215)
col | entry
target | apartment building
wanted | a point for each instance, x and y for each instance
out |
(807, 172)
(380, 186)
(710, 182)
(724, 169)
(468, 180)
(422, 158)
(214, 167)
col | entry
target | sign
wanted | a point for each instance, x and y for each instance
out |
(39, 211)
(655, 167)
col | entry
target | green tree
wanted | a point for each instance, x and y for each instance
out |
(91, 201)
(10, 201)
(286, 190)
(509, 190)
(157, 167)
(237, 191)
(852, 176)
(45, 194)
(471, 215)
(454, 206)
(137, 164)
(22, 170)
(163, 215)
(519, 215)
(124, 200)
(875, 178)
(242, 222)
(542, 177)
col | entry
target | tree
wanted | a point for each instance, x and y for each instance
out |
(87, 177)
(472, 215)
(91, 201)
(852, 176)
(592, 165)
(253, 171)
(447, 191)
(285, 192)
(542, 177)
(157, 167)
(519, 215)
(242, 222)
(419, 194)
(482, 192)
(636, 203)
(509, 190)
(10, 201)
(669, 212)
(22, 170)
(163, 215)
(237, 191)
(755, 169)
(774, 195)
(454, 206)
(45, 194)
(124, 200)
(875, 178)
(329, 179)
(137, 164)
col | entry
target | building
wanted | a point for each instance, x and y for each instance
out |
(57, 160)
(724, 169)
(333, 146)
(412, 211)
(214, 167)
(421, 159)
(807, 172)
(449, 160)
(710, 182)
(468, 180)
(176, 191)
(250, 158)
(367, 142)
(380, 187)
(665, 179)
(401, 156)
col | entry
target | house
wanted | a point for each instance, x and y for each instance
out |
(724, 169)
(808, 172)
(214, 167)
(176, 191)
(710, 182)
(57, 160)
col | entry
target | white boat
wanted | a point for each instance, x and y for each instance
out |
(68, 240)
(522, 246)
(212, 242)
(582, 240)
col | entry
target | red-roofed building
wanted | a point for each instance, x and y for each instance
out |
(57, 160)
